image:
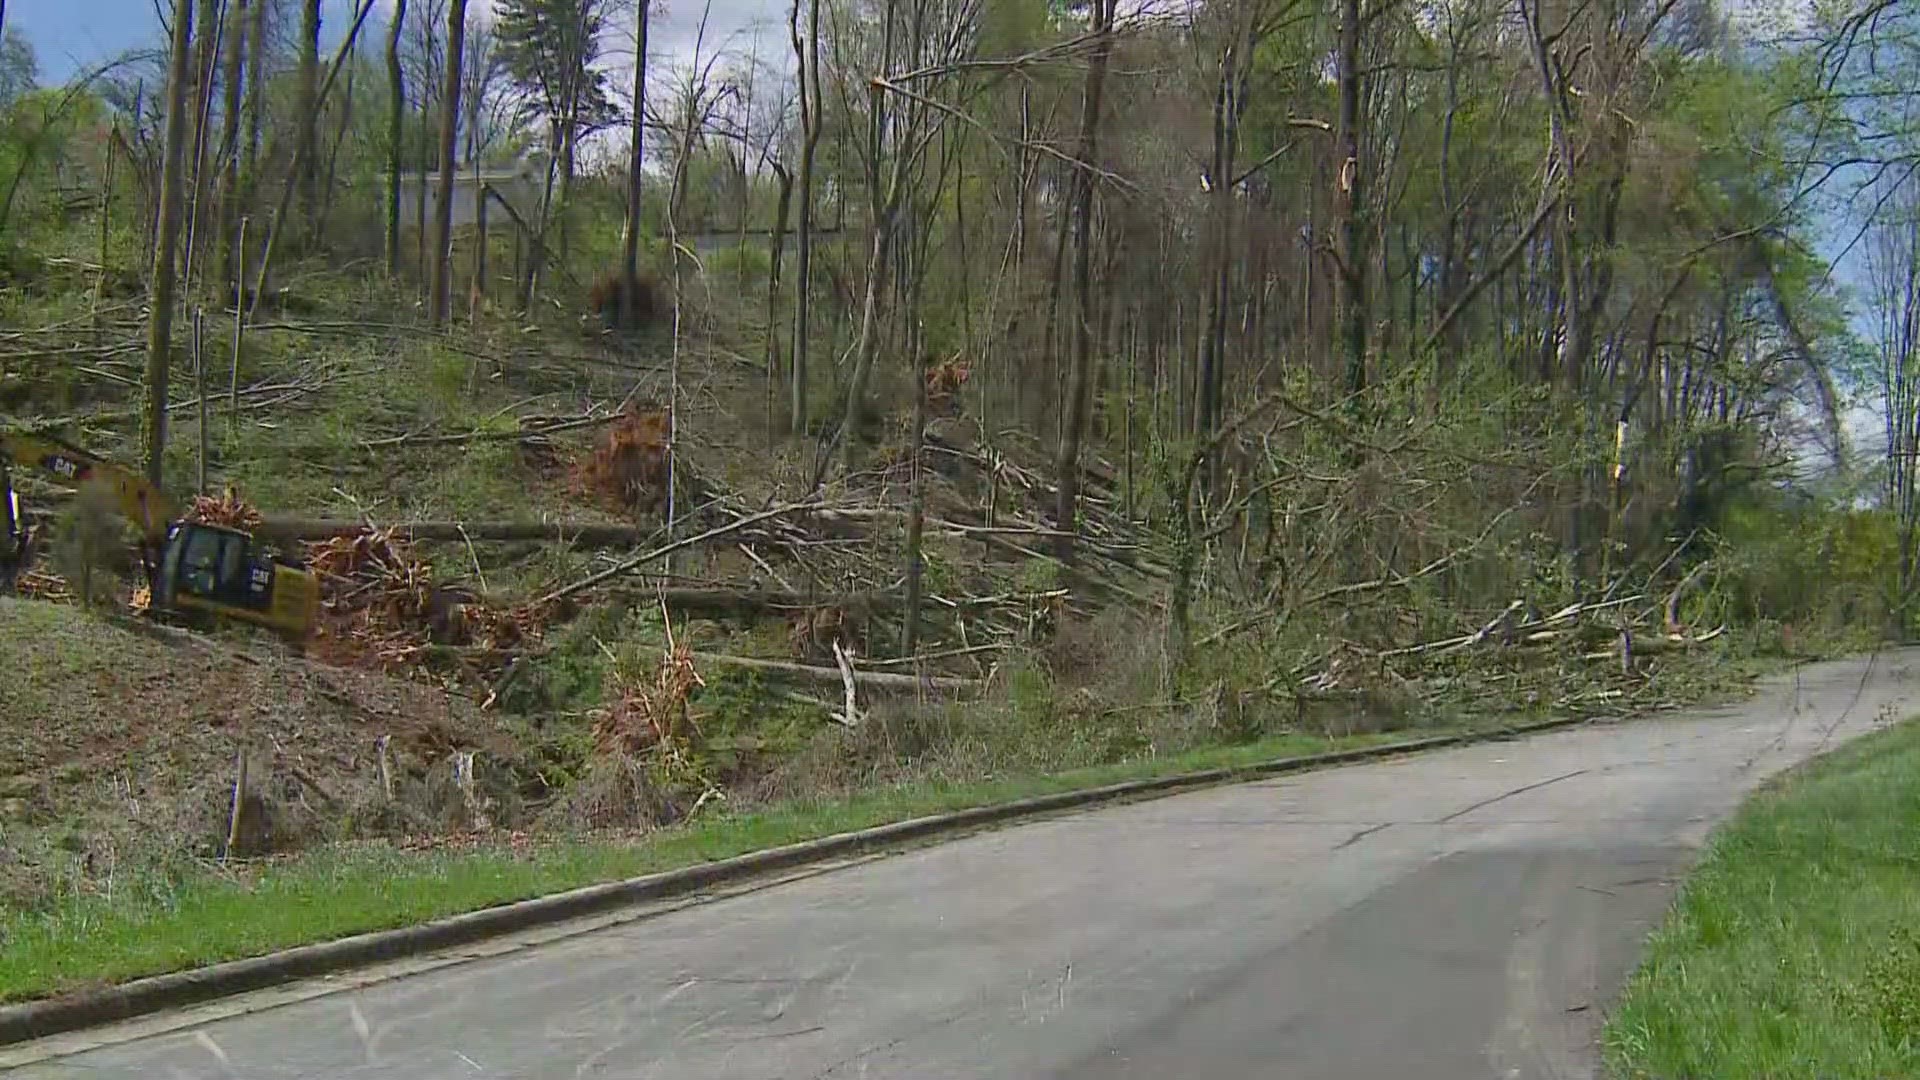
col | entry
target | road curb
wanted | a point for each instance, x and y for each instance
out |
(90, 1008)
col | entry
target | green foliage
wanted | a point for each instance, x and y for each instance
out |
(550, 48)
(751, 263)
(1819, 568)
(19, 69)
(90, 544)
(1791, 952)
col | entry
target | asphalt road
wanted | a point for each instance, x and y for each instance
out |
(1463, 914)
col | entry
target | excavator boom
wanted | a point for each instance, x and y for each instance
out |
(136, 498)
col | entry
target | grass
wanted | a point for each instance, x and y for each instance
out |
(1794, 949)
(163, 922)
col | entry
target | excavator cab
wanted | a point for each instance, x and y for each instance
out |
(209, 571)
(196, 572)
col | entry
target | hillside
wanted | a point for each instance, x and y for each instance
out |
(961, 427)
(120, 741)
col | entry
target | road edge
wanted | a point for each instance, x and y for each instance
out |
(41, 1018)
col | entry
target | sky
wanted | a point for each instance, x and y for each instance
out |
(71, 36)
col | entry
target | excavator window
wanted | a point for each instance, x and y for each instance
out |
(200, 562)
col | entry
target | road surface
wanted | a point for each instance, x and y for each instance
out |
(1460, 915)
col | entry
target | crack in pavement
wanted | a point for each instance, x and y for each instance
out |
(1510, 794)
(1363, 834)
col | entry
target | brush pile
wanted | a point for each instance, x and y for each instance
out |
(650, 713)
(628, 469)
(229, 511)
(382, 608)
(944, 381)
(377, 602)
(39, 584)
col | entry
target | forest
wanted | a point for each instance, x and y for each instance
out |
(931, 392)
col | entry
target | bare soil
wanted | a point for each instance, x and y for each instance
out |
(119, 745)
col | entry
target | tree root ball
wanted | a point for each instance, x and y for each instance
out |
(626, 303)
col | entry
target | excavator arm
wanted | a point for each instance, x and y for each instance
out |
(136, 498)
(193, 569)
(16, 540)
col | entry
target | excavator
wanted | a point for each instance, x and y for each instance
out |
(196, 572)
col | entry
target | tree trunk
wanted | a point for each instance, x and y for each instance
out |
(916, 485)
(1228, 103)
(160, 318)
(569, 151)
(777, 244)
(1350, 204)
(206, 62)
(810, 117)
(256, 99)
(230, 139)
(307, 107)
(442, 291)
(1067, 464)
(396, 132)
(630, 238)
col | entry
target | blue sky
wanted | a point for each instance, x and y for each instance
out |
(71, 35)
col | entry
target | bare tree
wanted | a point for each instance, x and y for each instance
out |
(396, 132)
(160, 296)
(636, 159)
(256, 80)
(811, 117)
(229, 155)
(1350, 200)
(935, 40)
(307, 109)
(1067, 463)
(442, 289)
(1893, 264)
(277, 223)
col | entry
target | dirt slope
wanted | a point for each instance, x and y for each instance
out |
(118, 744)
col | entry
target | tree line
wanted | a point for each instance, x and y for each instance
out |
(1602, 232)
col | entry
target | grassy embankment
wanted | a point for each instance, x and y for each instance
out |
(1794, 949)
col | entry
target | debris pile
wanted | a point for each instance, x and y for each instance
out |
(229, 510)
(629, 467)
(375, 596)
(645, 769)
(382, 606)
(41, 584)
(944, 381)
(651, 713)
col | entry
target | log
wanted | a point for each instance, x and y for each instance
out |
(579, 534)
(638, 561)
(460, 438)
(831, 675)
(722, 601)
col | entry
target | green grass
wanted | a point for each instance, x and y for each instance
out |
(164, 922)
(1794, 949)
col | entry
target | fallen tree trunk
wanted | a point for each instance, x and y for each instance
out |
(638, 561)
(487, 435)
(721, 601)
(833, 676)
(578, 534)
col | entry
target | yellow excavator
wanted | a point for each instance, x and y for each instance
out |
(196, 572)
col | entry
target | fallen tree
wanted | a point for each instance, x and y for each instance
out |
(576, 534)
(835, 676)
